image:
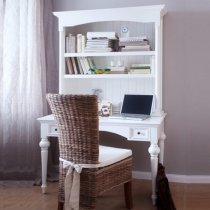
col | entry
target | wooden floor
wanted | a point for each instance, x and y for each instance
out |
(24, 196)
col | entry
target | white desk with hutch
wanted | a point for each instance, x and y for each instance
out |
(145, 20)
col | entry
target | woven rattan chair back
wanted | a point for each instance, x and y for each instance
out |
(77, 120)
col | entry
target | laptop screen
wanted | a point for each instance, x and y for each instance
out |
(137, 104)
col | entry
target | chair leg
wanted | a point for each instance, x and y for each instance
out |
(128, 195)
(60, 206)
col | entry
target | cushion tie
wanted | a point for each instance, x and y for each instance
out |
(107, 156)
(72, 183)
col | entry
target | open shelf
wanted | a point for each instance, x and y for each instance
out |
(108, 76)
(98, 54)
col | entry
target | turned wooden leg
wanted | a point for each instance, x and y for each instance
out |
(60, 206)
(128, 195)
(44, 144)
(154, 151)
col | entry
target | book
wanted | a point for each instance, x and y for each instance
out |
(135, 43)
(79, 43)
(83, 65)
(140, 47)
(101, 44)
(83, 41)
(117, 68)
(141, 65)
(91, 62)
(79, 65)
(98, 41)
(69, 64)
(98, 50)
(73, 44)
(135, 48)
(67, 50)
(133, 39)
(139, 71)
(96, 35)
(70, 43)
(115, 72)
(140, 68)
(74, 66)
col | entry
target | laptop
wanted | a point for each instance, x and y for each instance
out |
(136, 107)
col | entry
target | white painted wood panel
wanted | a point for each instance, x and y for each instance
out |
(140, 21)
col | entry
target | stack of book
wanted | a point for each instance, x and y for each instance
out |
(138, 43)
(79, 65)
(75, 43)
(101, 42)
(117, 70)
(70, 43)
(140, 69)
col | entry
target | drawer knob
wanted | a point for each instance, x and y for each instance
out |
(138, 132)
(56, 129)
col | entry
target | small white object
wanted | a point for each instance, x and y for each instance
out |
(124, 31)
(119, 63)
(111, 63)
(98, 93)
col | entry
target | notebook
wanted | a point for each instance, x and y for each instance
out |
(135, 107)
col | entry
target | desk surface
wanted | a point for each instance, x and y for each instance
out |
(150, 121)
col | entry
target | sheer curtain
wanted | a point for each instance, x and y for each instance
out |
(23, 69)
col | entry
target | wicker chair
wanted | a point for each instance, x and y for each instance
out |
(77, 120)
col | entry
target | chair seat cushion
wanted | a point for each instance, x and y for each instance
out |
(111, 155)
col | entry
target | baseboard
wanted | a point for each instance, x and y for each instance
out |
(141, 175)
(187, 179)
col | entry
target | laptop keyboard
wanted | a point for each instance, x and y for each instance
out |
(129, 117)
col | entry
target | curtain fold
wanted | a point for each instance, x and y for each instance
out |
(22, 85)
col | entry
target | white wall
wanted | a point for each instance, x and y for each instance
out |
(186, 89)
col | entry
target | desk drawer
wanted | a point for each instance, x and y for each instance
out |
(53, 130)
(139, 134)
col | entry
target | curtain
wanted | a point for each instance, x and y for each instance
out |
(23, 70)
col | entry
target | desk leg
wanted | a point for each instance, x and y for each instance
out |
(154, 150)
(161, 143)
(44, 144)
